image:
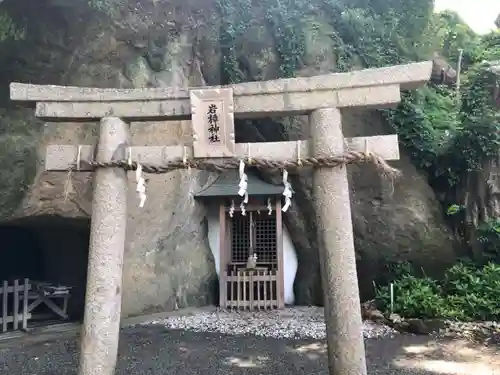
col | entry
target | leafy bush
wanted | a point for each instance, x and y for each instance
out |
(417, 297)
(468, 292)
(473, 292)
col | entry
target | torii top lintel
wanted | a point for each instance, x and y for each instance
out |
(378, 87)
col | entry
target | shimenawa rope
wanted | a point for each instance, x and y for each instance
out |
(221, 165)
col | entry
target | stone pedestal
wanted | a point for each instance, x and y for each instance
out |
(344, 329)
(101, 326)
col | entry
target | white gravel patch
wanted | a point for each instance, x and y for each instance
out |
(289, 323)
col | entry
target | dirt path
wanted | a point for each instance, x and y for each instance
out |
(424, 355)
(153, 350)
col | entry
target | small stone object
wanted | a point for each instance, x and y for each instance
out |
(430, 326)
(395, 318)
(376, 316)
(252, 261)
(369, 311)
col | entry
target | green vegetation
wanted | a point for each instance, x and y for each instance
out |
(8, 29)
(468, 292)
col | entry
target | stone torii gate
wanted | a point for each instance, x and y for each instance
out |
(321, 97)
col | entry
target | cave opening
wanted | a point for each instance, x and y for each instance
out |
(51, 251)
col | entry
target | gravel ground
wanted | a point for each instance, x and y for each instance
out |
(154, 349)
(289, 323)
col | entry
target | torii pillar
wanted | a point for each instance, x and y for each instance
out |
(103, 297)
(344, 326)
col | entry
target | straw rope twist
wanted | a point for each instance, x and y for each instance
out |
(223, 164)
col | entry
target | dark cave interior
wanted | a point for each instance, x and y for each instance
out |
(49, 249)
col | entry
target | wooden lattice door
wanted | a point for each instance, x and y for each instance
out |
(260, 285)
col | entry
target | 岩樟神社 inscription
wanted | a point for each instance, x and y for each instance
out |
(213, 123)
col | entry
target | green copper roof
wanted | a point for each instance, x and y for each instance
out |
(227, 185)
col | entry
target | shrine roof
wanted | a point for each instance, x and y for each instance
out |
(227, 185)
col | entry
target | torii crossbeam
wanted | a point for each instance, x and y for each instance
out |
(212, 111)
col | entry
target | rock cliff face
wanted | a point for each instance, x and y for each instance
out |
(168, 261)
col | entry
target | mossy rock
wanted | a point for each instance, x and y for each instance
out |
(18, 157)
(18, 163)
